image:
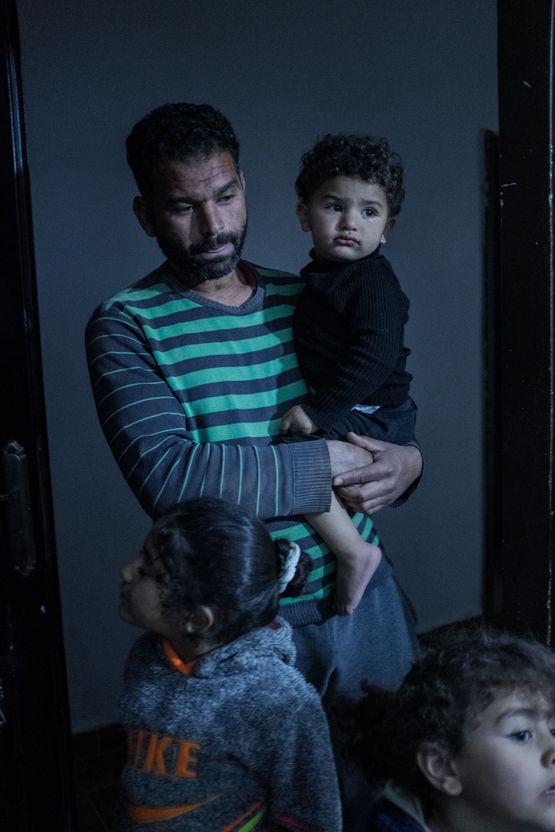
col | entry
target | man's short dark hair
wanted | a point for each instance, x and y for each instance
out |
(347, 155)
(178, 133)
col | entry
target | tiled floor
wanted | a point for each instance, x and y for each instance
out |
(98, 758)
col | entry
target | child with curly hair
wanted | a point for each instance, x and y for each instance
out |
(467, 743)
(223, 732)
(349, 324)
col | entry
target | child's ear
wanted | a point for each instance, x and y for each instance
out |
(439, 769)
(389, 226)
(143, 214)
(302, 213)
(198, 623)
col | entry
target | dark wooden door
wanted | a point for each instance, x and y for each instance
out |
(35, 785)
(521, 505)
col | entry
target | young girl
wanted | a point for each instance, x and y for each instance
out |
(467, 743)
(223, 733)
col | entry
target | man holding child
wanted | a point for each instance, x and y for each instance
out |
(193, 367)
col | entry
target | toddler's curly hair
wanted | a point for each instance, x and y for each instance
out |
(340, 154)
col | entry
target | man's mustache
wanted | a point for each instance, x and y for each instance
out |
(211, 243)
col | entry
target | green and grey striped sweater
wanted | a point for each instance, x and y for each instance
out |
(190, 394)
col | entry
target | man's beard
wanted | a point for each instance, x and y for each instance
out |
(189, 264)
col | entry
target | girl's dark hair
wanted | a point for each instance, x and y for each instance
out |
(440, 700)
(345, 155)
(217, 555)
(178, 133)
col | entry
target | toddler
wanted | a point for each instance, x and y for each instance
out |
(349, 323)
(223, 732)
(467, 743)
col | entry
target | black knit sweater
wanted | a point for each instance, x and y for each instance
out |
(349, 326)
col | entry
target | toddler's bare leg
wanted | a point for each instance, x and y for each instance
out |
(357, 560)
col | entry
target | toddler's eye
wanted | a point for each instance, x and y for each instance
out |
(522, 736)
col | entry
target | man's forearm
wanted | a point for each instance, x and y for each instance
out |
(165, 462)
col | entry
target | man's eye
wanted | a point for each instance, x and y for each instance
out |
(333, 206)
(223, 200)
(369, 212)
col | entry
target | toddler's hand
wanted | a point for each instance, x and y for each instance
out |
(296, 421)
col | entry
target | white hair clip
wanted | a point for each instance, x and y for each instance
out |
(289, 566)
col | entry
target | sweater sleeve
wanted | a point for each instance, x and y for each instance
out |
(146, 429)
(304, 793)
(376, 312)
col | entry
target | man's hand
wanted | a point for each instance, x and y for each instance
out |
(372, 486)
(297, 421)
(347, 457)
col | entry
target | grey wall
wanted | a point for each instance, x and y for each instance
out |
(284, 71)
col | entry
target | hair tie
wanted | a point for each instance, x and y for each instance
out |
(289, 566)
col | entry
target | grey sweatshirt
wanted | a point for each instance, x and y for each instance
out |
(235, 742)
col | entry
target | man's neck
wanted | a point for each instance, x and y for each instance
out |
(230, 290)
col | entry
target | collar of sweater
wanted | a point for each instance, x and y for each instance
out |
(406, 801)
(318, 265)
(247, 651)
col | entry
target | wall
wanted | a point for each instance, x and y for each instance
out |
(284, 72)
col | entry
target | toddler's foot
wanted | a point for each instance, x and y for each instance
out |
(353, 575)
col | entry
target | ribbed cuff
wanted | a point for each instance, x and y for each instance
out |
(311, 476)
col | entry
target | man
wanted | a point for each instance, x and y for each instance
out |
(192, 369)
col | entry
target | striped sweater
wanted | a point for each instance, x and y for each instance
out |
(190, 393)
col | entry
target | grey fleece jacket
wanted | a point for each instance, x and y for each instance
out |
(235, 742)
